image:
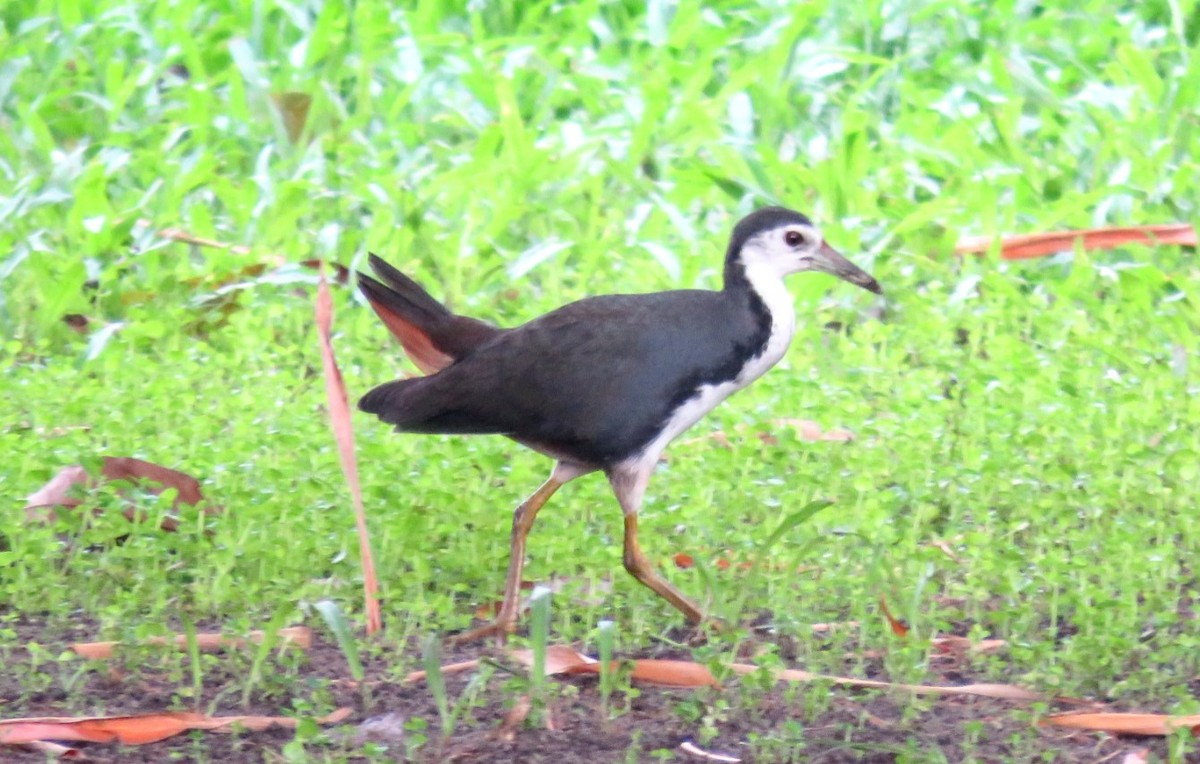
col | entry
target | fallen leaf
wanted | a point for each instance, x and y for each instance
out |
(138, 729)
(826, 628)
(184, 237)
(300, 636)
(1039, 244)
(722, 439)
(561, 659)
(1125, 724)
(260, 723)
(691, 749)
(684, 560)
(343, 432)
(952, 645)
(129, 730)
(293, 110)
(899, 626)
(806, 429)
(450, 668)
(997, 691)
(666, 673)
(414, 676)
(154, 477)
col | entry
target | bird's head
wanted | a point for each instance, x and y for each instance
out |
(782, 241)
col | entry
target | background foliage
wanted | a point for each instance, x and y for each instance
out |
(1040, 418)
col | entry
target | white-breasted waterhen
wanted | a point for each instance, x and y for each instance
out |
(605, 383)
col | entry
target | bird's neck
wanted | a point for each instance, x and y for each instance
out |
(763, 290)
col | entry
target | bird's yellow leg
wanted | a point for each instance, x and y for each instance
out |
(643, 570)
(523, 517)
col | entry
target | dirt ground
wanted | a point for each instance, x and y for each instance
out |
(755, 724)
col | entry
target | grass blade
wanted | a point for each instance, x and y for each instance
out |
(797, 518)
(337, 623)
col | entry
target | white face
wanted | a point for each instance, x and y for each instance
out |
(785, 250)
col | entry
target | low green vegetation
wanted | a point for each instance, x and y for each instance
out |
(1026, 449)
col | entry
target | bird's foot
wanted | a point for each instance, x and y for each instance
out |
(500, 629)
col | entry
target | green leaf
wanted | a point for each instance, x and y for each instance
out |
(336, 621)
(795, 519)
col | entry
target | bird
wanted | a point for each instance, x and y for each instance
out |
(602, 384)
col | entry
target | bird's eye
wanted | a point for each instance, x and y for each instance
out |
(793, 238)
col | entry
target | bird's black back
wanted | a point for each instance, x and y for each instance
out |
(593, 381)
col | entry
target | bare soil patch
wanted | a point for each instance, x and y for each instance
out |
(756, 724)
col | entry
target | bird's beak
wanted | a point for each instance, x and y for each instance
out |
(831, 261)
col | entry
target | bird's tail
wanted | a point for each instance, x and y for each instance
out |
(431, 335)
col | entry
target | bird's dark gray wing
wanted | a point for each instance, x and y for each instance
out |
(593, 380)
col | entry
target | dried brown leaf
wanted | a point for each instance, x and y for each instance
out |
(450, 668)
(153, 477)
(826, 628)
(299, 636)
(944, 547)
(184, 237)
(561, 659)
(260, 723)
(137, 729)
(667, 673)
(293, 110)
(997, 691)
(130, 730)
(343, 432)
(958, 646)
(899, 626)
(1039, 244)
(1125, 724)
(807, 429)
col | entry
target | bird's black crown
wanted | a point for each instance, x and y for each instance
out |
(761, 220)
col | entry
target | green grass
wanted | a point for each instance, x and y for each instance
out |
(1040, 417)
